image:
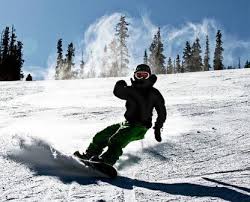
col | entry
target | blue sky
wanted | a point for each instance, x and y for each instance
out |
(40, 23)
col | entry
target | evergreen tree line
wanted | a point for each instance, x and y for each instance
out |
(191, 60)
(11, 56)
(115, 58)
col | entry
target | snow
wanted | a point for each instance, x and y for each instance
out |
(204, 155)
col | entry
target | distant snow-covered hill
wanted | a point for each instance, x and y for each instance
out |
(204, 155)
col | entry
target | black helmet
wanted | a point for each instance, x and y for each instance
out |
(143, 68)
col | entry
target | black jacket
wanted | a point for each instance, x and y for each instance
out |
(141, 99)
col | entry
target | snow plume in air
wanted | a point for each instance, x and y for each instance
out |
(43, 159)
(97, 36)
(100, 35)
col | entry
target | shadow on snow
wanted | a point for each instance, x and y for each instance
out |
(43, 159)
(184, 189)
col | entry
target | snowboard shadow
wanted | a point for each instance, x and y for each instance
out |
(226, 184)
(183, 189)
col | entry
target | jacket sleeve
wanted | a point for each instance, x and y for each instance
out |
(161, 110)
(121, 90)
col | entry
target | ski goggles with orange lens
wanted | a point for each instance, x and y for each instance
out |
(142, 75)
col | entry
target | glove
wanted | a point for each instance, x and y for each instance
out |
(121, 83)
(153, 78)
(157, 134)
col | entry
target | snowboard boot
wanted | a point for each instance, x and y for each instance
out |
(82, 156)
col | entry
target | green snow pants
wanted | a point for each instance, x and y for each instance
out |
(115, 137)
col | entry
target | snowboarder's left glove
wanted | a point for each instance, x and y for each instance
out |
(157, 134)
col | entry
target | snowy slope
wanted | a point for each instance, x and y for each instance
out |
(204, 156)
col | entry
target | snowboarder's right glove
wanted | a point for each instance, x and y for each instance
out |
(121, 83)
(157, 134)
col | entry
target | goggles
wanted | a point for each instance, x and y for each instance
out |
(142, 75)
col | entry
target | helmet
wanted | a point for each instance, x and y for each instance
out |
(142, 71)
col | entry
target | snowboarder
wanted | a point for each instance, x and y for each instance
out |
(141, 98)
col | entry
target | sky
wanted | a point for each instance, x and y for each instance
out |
(39, 24)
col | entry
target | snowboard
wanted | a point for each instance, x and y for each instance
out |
(102, 167)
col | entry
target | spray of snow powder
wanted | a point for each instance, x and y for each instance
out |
(40, 157)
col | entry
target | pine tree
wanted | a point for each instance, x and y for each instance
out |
(8, 55)
(206, 56)
(196, 60)
(160, 58)
(182, 67)
(59, 61)
(4, 69)
(247, 65)
(218, 57)
(145, 57)
(186, 66)
(152, 55)
(170, 68)
(82, 63)
(122, 35)
(174, 67)
(69, 61)
(5, 43)
(178, 64)
(114, 59)
(11, 58)
(12, 41)
(1, 49)
(157, 58)
(239, 65)
(104, 70)
(19, 60)
(92, 72)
